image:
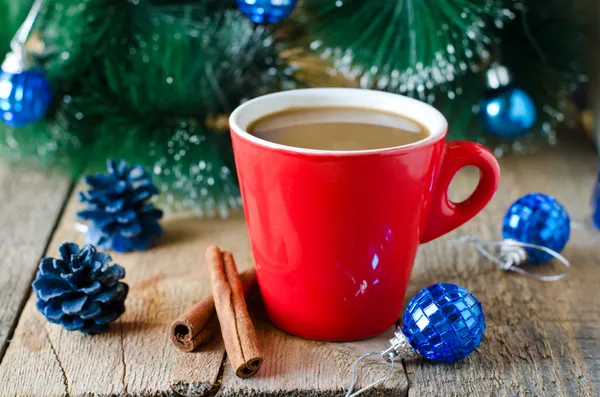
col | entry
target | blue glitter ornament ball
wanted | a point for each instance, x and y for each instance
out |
(267, 11)
(444, 322)
(24, 97)
(508, 112)
(537, 218)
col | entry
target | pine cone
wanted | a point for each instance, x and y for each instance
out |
(80, 291)
(121, 219)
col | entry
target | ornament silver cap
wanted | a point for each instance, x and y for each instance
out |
(497, 76)
(17, 61)
(399, 347)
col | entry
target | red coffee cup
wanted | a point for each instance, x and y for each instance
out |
(334, 234)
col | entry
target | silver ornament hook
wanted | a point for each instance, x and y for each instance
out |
(351, 392)
(512, 255)
(24, 31)
(399, 347)
(497, 76)
(18, 59)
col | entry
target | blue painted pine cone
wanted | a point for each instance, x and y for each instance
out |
(120, 216)
(80, 291)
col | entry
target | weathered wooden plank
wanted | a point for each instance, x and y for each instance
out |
(542, 339)
(178, 278)
(78, 360)
(136, 356)
(302, 368)
(292, 365)
(31, 202)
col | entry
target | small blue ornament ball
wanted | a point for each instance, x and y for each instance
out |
(539, 219)
(24, 97)
(596, 203)
(267, 11)
(444, 322)
(508, 112)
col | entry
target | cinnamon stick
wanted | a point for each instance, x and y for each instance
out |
(195, 327)
(238, 332)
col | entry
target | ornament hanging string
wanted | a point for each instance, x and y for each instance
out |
(534, 43)
(512, 255)
(351, 392)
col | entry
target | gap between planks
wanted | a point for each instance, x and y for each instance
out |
(67, 194)
(164, 281)
(523, 336)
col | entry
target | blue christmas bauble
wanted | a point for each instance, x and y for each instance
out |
(24, 97)
(444, 322)
(508, 112)
(539, 219)
(267, 11)
(596, 203)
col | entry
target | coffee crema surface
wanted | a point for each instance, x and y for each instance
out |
(337, 128)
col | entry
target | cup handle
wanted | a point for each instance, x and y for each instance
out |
(445, 215)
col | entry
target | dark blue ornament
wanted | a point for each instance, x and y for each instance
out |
(596, 203)
(267, 11)
(508, 112)
(539, 219)
(24, 96)
(80, 291)
(444, 322)
(121, 218)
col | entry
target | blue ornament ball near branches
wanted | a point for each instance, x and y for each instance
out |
(596, 203)
(81, 290)
(267, 11)
(508, 112)
(24, 97)
(444, 322)
(119, 214)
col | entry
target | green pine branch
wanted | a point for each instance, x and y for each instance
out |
(542, 48)
(408, 45)
(145, 80)
(142, 81)
(438, 51)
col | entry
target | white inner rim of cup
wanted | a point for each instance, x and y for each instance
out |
(403, 106)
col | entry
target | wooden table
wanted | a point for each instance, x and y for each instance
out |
(542, 339)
